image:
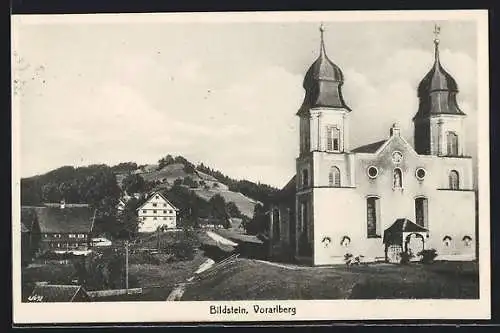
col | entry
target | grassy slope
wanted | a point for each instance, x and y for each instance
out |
(249, 280)
(174, 171)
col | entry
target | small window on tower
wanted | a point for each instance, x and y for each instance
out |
(305, 178)
(333, 138)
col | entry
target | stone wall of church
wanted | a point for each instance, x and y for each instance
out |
(452, 214)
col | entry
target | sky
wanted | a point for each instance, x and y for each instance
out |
(220, 93)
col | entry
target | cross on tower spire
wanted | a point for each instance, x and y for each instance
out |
(437, 31)
(322, 45)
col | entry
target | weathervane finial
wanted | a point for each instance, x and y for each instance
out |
(322, 44)
(437, 30)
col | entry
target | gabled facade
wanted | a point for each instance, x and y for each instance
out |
(157, 212)
(59, 227)
(344, 200)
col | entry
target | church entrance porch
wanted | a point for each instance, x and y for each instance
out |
(404, 236)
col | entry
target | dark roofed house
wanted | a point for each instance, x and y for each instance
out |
(59, 227)
(58, 293)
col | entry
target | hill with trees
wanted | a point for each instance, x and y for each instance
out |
(197, 190)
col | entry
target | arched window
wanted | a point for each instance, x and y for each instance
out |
(447, 241)
(454, 180)
(373, 217)
(334, 177)
(451, 144)
(421, 212)
(467, 241)
(305, 178)
(333, 138)
(397, 178)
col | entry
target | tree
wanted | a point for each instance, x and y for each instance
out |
(233, 210)
(164, 161)
(129, 223)
(218, 207)
(178, 182)
(188, 181)
(134, 183)
(259, 223)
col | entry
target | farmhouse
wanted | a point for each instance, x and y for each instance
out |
(382, 198)
(156, 212)
(59, 227)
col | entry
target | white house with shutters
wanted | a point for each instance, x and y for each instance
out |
(157, 212)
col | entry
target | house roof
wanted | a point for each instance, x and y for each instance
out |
(57, 293)
(160, 194)
(369, 148)
(394, 232)
(52, 219)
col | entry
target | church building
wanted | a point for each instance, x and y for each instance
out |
(383, 198)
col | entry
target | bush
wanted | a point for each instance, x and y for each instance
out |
(405, 258)
(428, 256)
(351, 260)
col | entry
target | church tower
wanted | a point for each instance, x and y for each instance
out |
(324, 125)
(323, 114)
(439, 127)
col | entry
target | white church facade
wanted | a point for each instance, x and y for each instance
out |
(382, 198)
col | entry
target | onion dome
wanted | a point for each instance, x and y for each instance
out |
(323, 83)
(438, 89)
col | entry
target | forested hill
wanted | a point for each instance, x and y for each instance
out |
(102, 185)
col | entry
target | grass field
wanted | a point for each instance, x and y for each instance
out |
(254, 280)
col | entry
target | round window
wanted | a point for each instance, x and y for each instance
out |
(372, 172)
(420, 173)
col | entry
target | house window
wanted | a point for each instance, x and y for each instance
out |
(154, 218)
(144, 218)
(467, 241)
(71, 235)
(447, 241)
(58, 244)
(305, 178)
(397, 178)
(57, 235)
(164, 205)
(45, 235)
(164, 218)
(154, 211)
(372, 217)
(452, 143)
(334, 177)
(144, 211)
(155, 204)
(170, 211)
(81, 236)
(421, 212)
(157, 197)
(333, 138)
(454, 180)
(164, 212)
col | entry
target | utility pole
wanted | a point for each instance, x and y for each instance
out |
(158, 239)
(126, 266)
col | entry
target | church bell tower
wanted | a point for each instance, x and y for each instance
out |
(439, 123)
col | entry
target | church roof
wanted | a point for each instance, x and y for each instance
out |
(369, 148)
(323, 82)
(437, 90)
(288, 191)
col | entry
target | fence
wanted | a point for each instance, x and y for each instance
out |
(114, 292)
